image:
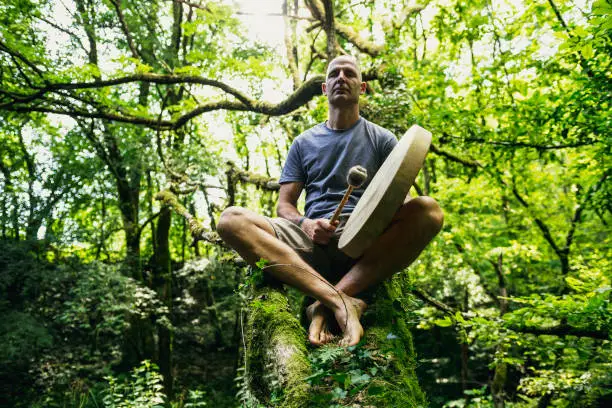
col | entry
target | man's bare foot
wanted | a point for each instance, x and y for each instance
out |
(347, 312)
(319, 332)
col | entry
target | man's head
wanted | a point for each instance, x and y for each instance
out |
(343, 83)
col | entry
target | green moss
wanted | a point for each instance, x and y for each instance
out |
(276, 354)
(380, 372)
(388, 331)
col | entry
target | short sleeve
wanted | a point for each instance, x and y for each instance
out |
(389, 142)
(293, 171)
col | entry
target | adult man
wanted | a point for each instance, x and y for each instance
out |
(304, 248)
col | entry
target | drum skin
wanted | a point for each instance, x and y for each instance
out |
(385, 193)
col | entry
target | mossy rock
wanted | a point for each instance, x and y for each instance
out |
(283, 371)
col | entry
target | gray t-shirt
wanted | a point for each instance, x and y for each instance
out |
(321, 158)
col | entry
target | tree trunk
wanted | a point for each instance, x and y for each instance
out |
(15, 216)
(281, 371)
(32, 228)
(162, 284)
(3, 216)
(128, 204)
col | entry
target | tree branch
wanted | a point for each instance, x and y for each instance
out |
(73, 35)
(503, 292)
(291, 16)
(263, 182)
(330, 30)
(21, 57)
(194, 5)
(124, 28)
(147, 222)
(466, 162)
(197, 230)
(530, 145)
(89, 28)
(578, 213)
(346, 31)
(478, 272)
(541, 225)
(290, 46)
(301, 96)
(427, 298)
(562, 330)
(583, 62)
(151, 78)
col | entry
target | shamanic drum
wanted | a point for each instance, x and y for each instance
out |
(385, 193)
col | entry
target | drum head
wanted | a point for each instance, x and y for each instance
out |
(385, 193)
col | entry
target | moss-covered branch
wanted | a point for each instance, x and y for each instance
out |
(379, 372)
(263, 182)
(276, 361)
(52, 98)
(197, 230)
(318, 11)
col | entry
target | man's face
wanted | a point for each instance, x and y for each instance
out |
(343, 84)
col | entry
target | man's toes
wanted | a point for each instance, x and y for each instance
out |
(348, 341)
(315, 339)
(326, 337)
(315, 331)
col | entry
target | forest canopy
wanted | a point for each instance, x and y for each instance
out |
(128, 126)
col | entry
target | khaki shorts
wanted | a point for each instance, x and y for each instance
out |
(328, 260)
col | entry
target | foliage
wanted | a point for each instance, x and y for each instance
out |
(347, 372)
(143, 389)
(104, 104)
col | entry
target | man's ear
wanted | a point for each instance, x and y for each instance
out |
(324, 88)
(363, 87)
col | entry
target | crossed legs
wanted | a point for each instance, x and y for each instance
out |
(253, 238)
(414, 225)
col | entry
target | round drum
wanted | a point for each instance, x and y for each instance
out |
(385, 193)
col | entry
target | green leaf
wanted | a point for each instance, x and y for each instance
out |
(587, 51)
(446, 322)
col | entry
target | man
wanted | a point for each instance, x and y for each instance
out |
(304, 248)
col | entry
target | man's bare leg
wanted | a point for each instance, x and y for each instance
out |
(414, 225)
(253, 237)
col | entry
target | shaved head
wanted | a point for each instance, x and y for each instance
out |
(343, 83)
(344, 59)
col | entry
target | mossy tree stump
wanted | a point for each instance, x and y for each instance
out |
(282, 370)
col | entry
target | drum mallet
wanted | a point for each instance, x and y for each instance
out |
(357, 175)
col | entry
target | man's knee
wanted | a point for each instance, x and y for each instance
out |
(427, 210)
(232, 219)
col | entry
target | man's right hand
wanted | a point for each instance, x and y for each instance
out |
(319, 230)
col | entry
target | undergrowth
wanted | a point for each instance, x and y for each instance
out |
(345, 376)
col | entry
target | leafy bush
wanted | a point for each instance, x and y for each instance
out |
(143, 389)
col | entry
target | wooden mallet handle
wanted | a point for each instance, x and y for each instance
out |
(356, 177)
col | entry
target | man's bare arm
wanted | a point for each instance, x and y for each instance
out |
(287, 201)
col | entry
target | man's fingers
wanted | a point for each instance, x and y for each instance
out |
(323, 223)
